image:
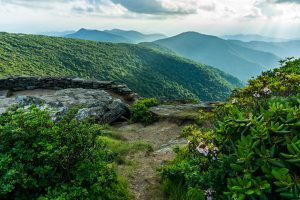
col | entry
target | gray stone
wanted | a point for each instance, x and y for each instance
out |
(56, 83)
(180, 113)
(170, 110)
(96, 104)
(29, 100)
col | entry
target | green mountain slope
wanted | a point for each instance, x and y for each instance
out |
(136, 37)
(146, 71)
(237, 60)
(100, 36)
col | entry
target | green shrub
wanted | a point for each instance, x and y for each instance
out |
(281, 82)
(140, 111)
(254, 151)
(266, 151)
(257, 155)
(41, 159)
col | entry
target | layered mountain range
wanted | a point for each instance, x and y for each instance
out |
(243, 56)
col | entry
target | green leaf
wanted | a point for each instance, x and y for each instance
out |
(249, 192)
(279, 173)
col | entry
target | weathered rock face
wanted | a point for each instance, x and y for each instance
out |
(96, 104)
(180, 112)
(170, 110)
(58, 83)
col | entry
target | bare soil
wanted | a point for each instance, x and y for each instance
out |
(141, 169)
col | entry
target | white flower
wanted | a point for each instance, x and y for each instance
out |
(256, 95)
(202, 150)
(234, 101)
(277, 74)
(266, 90)
(208, 193)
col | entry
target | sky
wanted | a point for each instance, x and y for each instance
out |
(276, 18)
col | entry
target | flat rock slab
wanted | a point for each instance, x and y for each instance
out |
(92, 103)
(181, 111)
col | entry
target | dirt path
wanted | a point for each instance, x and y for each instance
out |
(141, 169)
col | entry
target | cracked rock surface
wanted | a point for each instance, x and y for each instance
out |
(93, 103)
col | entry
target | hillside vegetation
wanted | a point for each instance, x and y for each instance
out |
(253, 151)
(149, 72)
(42, 159)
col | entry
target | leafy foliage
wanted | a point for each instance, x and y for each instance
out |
(254, 149)
(41, 159)
(140, 111)
(281, 82)
(151, 73)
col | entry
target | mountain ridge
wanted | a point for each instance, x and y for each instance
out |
(253, 37)
(115, 36)
(96, 35)
(232, 58)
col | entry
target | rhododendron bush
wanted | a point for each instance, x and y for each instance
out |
(254, 150)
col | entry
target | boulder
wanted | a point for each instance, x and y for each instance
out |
(92, 103)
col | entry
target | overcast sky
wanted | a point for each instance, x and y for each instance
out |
(280, 18)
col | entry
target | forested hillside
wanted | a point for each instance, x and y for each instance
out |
(147, 71)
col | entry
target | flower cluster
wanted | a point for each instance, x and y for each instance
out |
(266, 91)
(256, 95)
(207, 150)
(203, 149)
(209, 193)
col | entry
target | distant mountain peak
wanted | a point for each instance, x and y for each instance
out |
(253, 37)
(115, 36)
(226, 55)
(195, 34)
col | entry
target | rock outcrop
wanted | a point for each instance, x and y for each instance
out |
(92, 103)
(181, 112)
(58, 83)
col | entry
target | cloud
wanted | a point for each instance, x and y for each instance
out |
(284, 1)
(208, 7)
(43, 4)
(159, 7)
(254, 13)
(104, 8)
(148, 7)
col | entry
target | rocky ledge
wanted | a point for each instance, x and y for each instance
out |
(58, 83)
(182, 112)
(92, 103)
